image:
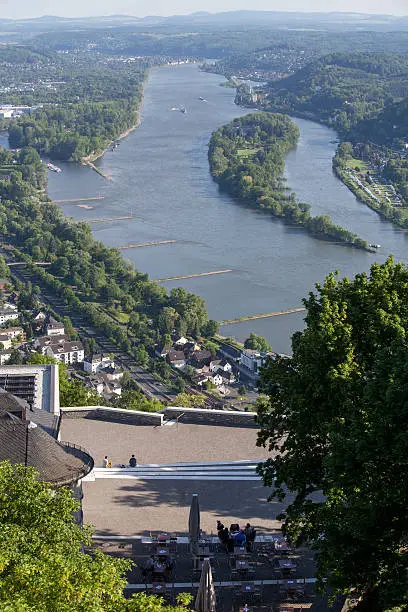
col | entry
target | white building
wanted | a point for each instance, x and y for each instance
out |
(4, 356)
(14, 332)
(54, 328)
(37, 384)
(219, 365)
(7, 315)
(95, 363)
(66, 352)
(252, 360)
(6, 341)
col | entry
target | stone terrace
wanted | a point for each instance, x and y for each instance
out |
(134, 506)
(168, 444)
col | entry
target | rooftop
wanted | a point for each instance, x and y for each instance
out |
(127, 505)
(167, 444)
(22, 441)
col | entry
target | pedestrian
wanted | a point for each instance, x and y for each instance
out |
(106, 462)
(132, 461)
(147, 566)
(250, 533)
(224, 536)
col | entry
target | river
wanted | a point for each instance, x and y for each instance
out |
(160, 174)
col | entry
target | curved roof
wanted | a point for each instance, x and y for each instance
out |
(22, 441)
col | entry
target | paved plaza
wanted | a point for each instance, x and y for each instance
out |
(168, 444)
(126, 505)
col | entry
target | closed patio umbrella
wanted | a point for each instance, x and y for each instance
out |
(194, 524)
(205, 600)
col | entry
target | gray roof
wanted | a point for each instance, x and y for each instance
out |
(22, 441)
(66, 347)
(48, 340)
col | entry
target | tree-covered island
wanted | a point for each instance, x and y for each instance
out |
(247, 159)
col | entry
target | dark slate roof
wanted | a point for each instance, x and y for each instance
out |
(12, 403)
(175, 356)
(48, 340)
(230, 350)
(25, 442)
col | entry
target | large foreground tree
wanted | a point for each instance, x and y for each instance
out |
(336, 419)
(43, 563)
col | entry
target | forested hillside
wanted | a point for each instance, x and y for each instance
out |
(79, 104)
(343, 89)
(247, 158)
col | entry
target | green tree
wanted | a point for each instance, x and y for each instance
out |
(336, 414)
(72, 392)
(141, 356)
(4, 269)
(189, 400)
(257, 343)
(210, 329)
(41, 538)
(131, 399)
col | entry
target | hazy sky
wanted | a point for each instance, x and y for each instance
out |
(80, 8)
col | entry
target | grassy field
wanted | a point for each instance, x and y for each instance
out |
(247, 152)
(353, 163)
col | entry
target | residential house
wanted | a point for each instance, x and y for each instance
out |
(217, 379)
(66, 352)
(176, 359)
(38, 320)
(42, 342)
(200, 358)
(97, 362)
(54, 328)
(220, 365)
(15, 332)
(5, 356)
(107, 388)
(252, 360)
(180, 341)
(230, 352)
(111, 373)
(201, 379)
(190, 347)
(5, 341)
(7, 314)
(228, 377)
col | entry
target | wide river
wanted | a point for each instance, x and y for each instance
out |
(160, 174)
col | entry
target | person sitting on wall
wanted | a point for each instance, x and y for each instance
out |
(132, 461)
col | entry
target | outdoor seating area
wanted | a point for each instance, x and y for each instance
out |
(260, 577)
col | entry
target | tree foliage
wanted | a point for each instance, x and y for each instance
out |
(336, 416)
(47, 560)
(257, 343)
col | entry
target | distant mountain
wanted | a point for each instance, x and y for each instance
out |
(261, 19)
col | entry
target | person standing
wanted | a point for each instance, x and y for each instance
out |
(106, 462)
(250, 533)
(132, 461)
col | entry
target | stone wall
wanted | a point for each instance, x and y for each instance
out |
(115, 415)
(224, 418)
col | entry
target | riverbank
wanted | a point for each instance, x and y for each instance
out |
(89, 160)
(396, 215)
(247, 159)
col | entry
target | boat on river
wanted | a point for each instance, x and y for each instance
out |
(375, 246)
(53, 168)
(202, 99)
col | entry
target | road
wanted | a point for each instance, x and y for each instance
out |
(144, 380)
